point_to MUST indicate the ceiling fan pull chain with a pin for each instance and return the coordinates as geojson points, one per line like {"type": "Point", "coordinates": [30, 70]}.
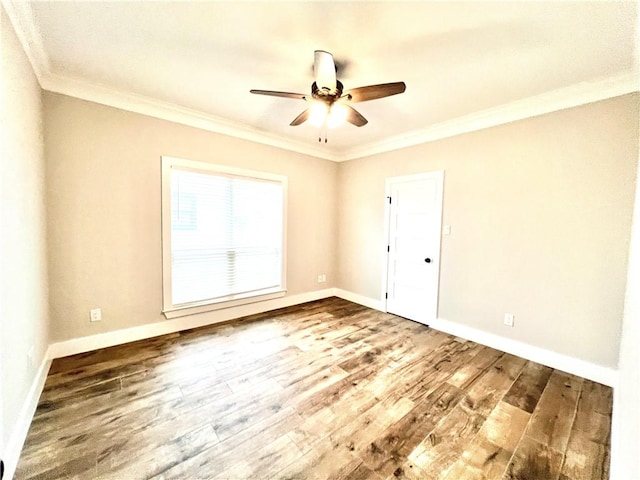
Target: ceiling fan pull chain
{"type": "Point", "coordinates": [323, 129]}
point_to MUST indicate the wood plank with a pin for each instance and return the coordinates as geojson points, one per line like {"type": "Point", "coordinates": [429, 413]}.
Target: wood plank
{"type": "Point", "coordinates": [528, 387]}
{"type": "Point", "coordinates": [553, 416]}
{"type": "Point", "coordinates": [532, 460]}
{"type": "Point", "coordinates": [240, 410]}
{"type": "Point", "coordinates": [355, 470]}
{"type": "Point", "coordinates": [163, 456]}
{"type": "Point", "coordinates": [587, 455]}
{"type": "Point", "coordinates": [233, 451]}
{"type": "Point", "coordinates": [82, 466]}
{"type": "Point", "coordinates": [400, 440]}
{"type": "Point", "coordinates": [275, 455]}
{"type": "Point", "coordinates": [364, 382]}
{"type": "Point", "coordinates": [112, 422]}
{"type": "Point", "coordinates": [467, 374]}
{"type": "Point", "coordinates": [408, 471]}
{"type": "Point", "coordinates": [389, 453]}
{"type": "Point", "coordinates": [76, 395]}
{"type": "Point", "coordinates": [318, 463]}
{"type": "Point", "coordinates": [372, 424]}
{"type": "Point", "coordinates": [355, 432]}
{"type": "Point", "coordinates": [586, 460]}
{"type": "Point", "coordinates": [129, 353]}
{"type": "Point", "coordinates": [489, 453]}
{"type": "Point", "coordinates": [484, 395]}
{"type": "Point", "coordinates": [446, 442]}
{"type": "Point", "coordinates": [84, 416]}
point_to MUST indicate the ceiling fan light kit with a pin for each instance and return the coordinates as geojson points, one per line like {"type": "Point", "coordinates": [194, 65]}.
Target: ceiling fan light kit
{"type": "Point", "coordinates": [328, 100]}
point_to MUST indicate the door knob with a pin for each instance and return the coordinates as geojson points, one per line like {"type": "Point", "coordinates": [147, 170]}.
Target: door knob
{"type": "Point", "coordinates": [428, 260]}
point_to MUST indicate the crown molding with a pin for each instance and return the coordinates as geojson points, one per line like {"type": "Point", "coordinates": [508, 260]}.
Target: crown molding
{"type": "Point", "coordinates": [174, 113]}
{"type": "Point", "coordinates": [548, 102]}
{"type": "Point", "coordinates": [21, 16]}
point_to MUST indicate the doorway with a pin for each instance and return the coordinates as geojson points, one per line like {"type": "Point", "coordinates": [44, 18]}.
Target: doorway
{"type": "Point", "coordinates": [414, 229]}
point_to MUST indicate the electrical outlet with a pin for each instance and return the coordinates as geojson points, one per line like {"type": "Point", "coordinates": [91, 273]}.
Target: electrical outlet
{"type": "Point", "coordinates": [95, 315]}
{"type": "Point", "coordinates": [322, 278]}
{"type": "Point", "coordinates": [508, 319]}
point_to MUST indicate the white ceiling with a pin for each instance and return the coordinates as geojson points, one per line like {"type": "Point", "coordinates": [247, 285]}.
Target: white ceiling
{"type": "Point", "coordinates": [466, 64]}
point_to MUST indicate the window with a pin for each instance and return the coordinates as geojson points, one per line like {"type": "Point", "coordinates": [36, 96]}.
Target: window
{"type": "Point", "coordinates": [223, 232]}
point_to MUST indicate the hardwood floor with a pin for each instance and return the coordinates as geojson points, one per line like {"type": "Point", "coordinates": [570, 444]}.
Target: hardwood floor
{"type": "Point", "coordinates": [324, 390]}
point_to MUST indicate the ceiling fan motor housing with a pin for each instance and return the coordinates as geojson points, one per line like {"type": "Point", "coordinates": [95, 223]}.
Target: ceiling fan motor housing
{"type": "Point", "coordinates": [325, 94]}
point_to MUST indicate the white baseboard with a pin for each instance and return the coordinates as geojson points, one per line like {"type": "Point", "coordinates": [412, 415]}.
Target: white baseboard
{"type": "Point", "coordinates": [118, 337]}
{"type": "Point", "coordinates": [591, 371]}
{"type": "Point", "coordinates": [617, 441]}
{"type": "Point", "coordinates": [361, 299]}
{"type": "Point", "coordinates": [597, 373]}
{"type": "Point", "coordinates": [19, 434]}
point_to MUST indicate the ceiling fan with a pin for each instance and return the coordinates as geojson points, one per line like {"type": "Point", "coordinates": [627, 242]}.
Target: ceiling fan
{"type": "Point", "coordinates": [329, 103]}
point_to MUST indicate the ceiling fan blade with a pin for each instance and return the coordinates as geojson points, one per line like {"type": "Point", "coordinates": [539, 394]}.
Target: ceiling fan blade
{"type": "Point", "coordinates": [298, 96]}
{"type": "Point", "coordinates": [354, 117]}
{"type": "Point", "coordinates": [324, 69]}
{"type": "Point", "coordinates": [303, 117]}
{"type": "Point", "coordinates": [372, 92]}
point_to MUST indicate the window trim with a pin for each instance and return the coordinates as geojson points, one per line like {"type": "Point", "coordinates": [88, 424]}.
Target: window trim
{"type": "Point", "coordinates": [173, 311]}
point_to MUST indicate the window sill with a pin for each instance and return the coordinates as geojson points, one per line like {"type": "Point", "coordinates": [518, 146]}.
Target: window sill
{"type": "Point", "coordinates": [193, 309]}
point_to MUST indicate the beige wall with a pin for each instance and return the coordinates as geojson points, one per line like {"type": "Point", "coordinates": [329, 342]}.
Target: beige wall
{"type": "Point", "coordinates": [103, 198]}
{"type": "Point", "coordinates": [23, 276]}
{"type": "Point", "coordinates": [540, 212]}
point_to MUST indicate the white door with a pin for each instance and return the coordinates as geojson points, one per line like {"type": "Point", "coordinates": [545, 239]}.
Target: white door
{"type": "Point", "coordinates": [413, 259]}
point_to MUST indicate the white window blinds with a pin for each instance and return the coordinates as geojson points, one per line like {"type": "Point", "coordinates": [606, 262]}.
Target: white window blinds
{"type": "Point", "coordinates": [226, 239]}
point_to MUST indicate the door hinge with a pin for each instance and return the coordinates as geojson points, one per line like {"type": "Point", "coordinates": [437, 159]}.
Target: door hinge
{"type": "Point", "coordinates": [386, 295]}
{"type": "Point", "coordinates": [389, 200]}
{"type": "Point", "coordinates": [388, 249]}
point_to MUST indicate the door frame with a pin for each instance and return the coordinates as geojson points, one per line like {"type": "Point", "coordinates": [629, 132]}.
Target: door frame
{"type": "Point", "coordinates": [389, 182]}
